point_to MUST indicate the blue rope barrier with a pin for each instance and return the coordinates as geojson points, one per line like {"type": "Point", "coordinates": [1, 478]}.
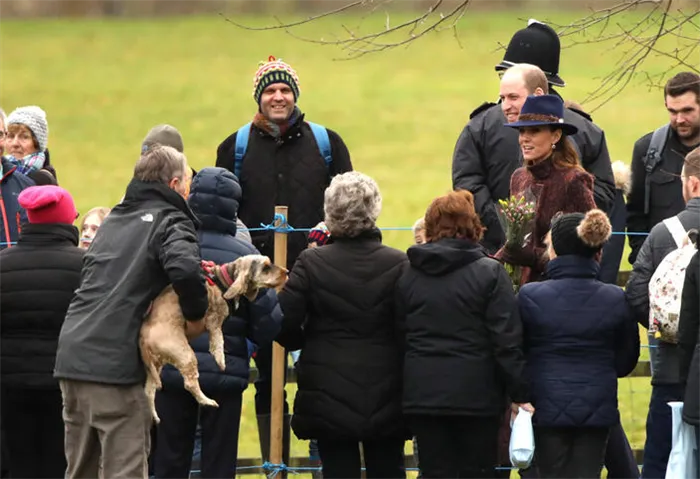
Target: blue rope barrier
{"type": "Point", "coordinates": [284, 227]}
{"type": "Point", "coordinates": [275, 469]}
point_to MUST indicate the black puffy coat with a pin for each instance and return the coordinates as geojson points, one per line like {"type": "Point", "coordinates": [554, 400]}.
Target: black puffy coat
{"type": "Point", "coordinates": [340, 309]}
{"type": "Point", "coordinates": [214, 198]}
{"type": "Point", "coordinates": [463, 333]}
{"type": "Point", "coordinates": [487, 153]}
{"type": "Point", "coordinates": [38, 278]}
{"type": "Point", "coordinates": [284, 171]}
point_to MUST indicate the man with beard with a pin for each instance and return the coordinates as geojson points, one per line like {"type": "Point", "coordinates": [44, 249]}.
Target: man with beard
{"type": "Point", "coordinates": [656, 191]}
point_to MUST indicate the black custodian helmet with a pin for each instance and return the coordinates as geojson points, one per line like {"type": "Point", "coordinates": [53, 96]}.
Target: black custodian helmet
{"type": "Point", "coordinates": [539, 45]}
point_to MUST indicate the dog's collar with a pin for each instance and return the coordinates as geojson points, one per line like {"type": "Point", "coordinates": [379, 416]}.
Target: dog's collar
{"type": "Point", "coordinates": [213, 279]}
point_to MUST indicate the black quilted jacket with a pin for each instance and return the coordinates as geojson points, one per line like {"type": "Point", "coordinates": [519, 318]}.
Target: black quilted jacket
{"type": "Point", "coordinates": [38, 278]}
{"type": "Point", "coordinates": [286, 171]}
{"type": "Point", "coordinates": [339, 307]}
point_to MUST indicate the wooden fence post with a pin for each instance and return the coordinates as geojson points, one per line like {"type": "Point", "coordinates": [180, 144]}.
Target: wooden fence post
{"type": "Point", "coordinates": [278, 353]}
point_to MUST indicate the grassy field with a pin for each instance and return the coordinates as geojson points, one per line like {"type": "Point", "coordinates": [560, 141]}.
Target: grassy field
{"type": "Point", "coordinates": [105, 83]}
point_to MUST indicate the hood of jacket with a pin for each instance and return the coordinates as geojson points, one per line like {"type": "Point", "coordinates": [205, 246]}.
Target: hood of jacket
{"type": "Point", "coordinates": [215, 196]}
{"type": "Point", "coordinates": [445, 255]}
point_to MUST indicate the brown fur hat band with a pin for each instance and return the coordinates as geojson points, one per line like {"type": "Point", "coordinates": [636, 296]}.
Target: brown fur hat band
{"type": "Point", "coordinates": [581, 234]}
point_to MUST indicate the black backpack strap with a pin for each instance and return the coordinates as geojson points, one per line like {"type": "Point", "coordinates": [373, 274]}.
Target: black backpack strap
{"type": "Point", "coordinates": [653, 158]}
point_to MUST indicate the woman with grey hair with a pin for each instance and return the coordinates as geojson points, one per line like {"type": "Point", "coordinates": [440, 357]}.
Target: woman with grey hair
{"type": "Point", "coordinates": [339, 309]}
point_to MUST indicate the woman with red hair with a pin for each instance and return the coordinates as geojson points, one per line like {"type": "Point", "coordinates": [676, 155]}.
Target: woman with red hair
{"type": "Point", "coordinates": [463, 358]}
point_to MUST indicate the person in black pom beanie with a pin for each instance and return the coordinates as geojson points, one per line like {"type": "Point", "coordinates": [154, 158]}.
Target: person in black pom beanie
{"type": "Point", "coordinates": [579, 337]}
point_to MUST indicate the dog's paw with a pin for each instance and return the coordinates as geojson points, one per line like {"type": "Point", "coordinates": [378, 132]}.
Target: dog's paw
{"type": "Point", "coordinates": [221, 364]}
{"type": "Point", "coordinates": [209, 402]}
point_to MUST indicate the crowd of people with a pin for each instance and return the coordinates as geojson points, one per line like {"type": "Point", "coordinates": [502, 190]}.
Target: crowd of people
{"type": "Point", "coordinates": [433, 344]}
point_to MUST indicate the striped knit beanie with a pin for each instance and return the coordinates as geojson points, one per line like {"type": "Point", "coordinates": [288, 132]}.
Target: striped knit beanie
{"type": "Point", "coordinates": [275, 71]}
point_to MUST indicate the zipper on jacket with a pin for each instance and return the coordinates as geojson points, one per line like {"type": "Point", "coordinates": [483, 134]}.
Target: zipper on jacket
{"type": "Point", "coordinates": [4, 220]}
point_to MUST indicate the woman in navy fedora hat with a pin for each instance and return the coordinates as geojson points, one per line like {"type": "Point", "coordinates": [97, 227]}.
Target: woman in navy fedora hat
{"type": "Point", "coordinates": [551, 177]}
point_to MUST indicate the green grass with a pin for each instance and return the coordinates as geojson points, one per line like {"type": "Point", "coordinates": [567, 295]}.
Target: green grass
{"type": "Point", "coordinates": [105, 83]}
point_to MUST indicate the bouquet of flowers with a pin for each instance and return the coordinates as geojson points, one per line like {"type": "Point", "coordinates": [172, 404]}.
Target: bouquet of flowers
{"type": "Point", "coordinates": [517, 215]}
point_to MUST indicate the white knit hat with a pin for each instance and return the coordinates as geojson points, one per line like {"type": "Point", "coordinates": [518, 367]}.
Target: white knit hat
{"type": "Point", "coordinates": [33, 118]}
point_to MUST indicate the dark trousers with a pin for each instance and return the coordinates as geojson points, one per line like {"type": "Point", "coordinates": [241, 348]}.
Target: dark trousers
{"type": "Point", "coordinates": [263, 384]}
{"type": "Point", "coordinates": [457, 446]}
{"type": "Point", "coordinates": [657, 447]}
{"type": "Point", "coordinates": [4, 459]}
{"type": "Point", "coordinates": [619, 458]}
{"type": "Point", "coordinates": [178, 412]}
{"type": "Point", "coordinates": [571, 452]}
{"type": "Point", "coordinates": [383, 458]}
{"type": "Point", "coordinates": [34, 432]}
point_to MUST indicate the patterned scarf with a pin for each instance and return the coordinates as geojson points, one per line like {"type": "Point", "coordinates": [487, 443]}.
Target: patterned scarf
{"type": "Point", "coordinates": [273, 129]}
{"type": "Point", "coordinates": [31, 162]}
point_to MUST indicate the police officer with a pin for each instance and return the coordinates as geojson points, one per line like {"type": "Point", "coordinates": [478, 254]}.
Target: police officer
{"type": "Point", "coordinates": [487, 153]}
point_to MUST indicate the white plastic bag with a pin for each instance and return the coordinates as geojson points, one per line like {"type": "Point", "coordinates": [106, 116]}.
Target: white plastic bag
{"type": "Point", "coordinates": [682, 462]}
{"type": "Point", "coordinates": [522, 440]}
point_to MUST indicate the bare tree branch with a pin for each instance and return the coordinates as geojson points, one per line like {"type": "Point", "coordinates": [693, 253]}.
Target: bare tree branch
{"type": "Point", "coordinates": [663, 33]}
{"type": "Point", "coordinates": [660, 34]}
{"type": "Point", "coordinates": [357, 44]}
{"type": "Point", "coordinates": [310, 19]}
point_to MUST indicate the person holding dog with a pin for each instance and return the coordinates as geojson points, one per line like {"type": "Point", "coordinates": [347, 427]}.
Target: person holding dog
{"type": "Point", "coordinates": [147, 242]}
{"type": "Point", "coordinates": [214, 198]}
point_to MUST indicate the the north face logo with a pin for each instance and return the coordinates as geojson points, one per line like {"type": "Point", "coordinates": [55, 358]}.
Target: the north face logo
{"type": "Point", "coordinates": [148, 217]}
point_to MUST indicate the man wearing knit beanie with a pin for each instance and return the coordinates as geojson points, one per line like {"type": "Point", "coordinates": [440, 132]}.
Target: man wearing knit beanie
{"type": "Point", "coordinates": [168, 135]}
{"type": "Point", "coordinates": [279, 159]}
{"type": "Point", "coordinates": [163, 135]}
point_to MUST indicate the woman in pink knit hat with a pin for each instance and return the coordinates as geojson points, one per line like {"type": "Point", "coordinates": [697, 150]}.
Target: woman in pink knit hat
{"type": "Point", "coordinates": [37, 279]}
